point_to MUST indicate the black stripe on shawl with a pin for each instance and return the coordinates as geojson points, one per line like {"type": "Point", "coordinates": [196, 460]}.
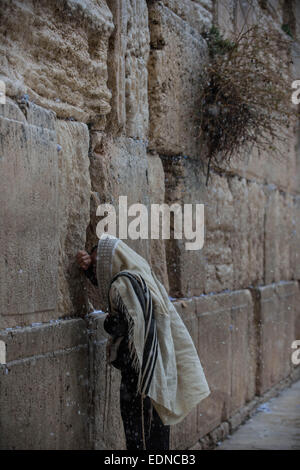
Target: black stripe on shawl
{"type": "Point", "coordinates": [150, 341]}
{"type": "Point", "coordinates": [150, 348]}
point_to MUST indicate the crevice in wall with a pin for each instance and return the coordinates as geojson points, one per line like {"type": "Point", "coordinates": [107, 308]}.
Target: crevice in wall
{"type": "Point", "coordinates": [171, 247]}
{"type": "Point", "coordinates": [256, 299]}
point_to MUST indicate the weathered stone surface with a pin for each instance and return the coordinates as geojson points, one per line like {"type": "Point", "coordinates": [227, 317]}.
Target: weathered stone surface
{"type": "Point", "coordinates": [64, 171]}
{"type": "Point", "coordinates": [248, 13]}
{"type": "Point", "coordinates": [56, 52]}
{"type": "Point", "coordinates": [106, 431]}
{"type": "Point", "coordinates": [219, 433]}
{"type": "Point", "coordinates": [224, 16]}
{"type": "Point", "coordinates": [196, 446]}
{"type": "Point", "coordinates": [294, 239]}
{"type": "Point", "coordinates": [278, 308]}
{"type": "Point", "coordinates": [264, 166]}
{"type": "Point", "coordinates": [243, 350]}
{"type": "Point", "coordinates": [280, 169]}
{"type": "Point", "coordinates": [185, 184]}
{"type": "Point", "coordinates": [42, 338]}
{"type": "Point", "coordinates": [234, 248]}
{"type": "Point", "coordinates": [12, 111]}
{"type": "Point", "coordinates": [296, 175]}
{"type": "Point", "coordinates": [235, 421]}
{"type": "Point", "coordinates": [176, 60]}
{"type": "Point", "coordinates": [297, 315]}
{"type": "Point", "coordinates": [74, 212]}
{"type": "Point", "coordinates": [29, 236]}
{"type": "Point", "coordinates": [197, 14]}
{"type": "Point", "coordinates": [232, 255]}
{"type": "Point", "coordinates": [156, 179]}
{"type": "Point", "coordinates": [297, 20]}
{"type": "Point", "coordinates": [119, 168]}
{"type": "Point", "coordinates": [234, 16]}
{"type": "Point", "coordinates": [226, 349]}
{"type": "Point", "coordinates": [206, 443]}
{"type": "Point", "coordinates": [247, 238]}
{"type": "Point", "coordinates": [44, 387]}
{"type": "Point", "coordinates": [218, 248]}
{"type": "Point", "coordinates": [185, 434]}
{"type": "Point", "coordinates": [127, 68]}
{"type": "Point", "coordinates": [281, 232]}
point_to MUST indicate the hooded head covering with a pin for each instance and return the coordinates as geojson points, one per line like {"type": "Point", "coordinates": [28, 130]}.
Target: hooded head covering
{"type": "Point", "coordinates": [178, 382]}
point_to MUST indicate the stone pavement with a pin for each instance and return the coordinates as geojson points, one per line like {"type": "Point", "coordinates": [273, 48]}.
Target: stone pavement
{"type": "Point", "coordinates": [275, 425]}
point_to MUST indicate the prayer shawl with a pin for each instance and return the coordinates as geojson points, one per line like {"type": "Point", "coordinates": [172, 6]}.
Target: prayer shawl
{"type": "Point", "coordinates": [162, 350]}
{"type": "Point", "coordinates": [150, 348]}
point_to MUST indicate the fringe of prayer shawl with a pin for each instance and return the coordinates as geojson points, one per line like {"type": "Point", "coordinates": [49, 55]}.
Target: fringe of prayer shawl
{"type": "Point", "coordinates": [150, 348]}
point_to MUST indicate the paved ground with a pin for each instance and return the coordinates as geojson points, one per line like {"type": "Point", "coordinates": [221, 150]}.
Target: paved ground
{"type": "Point", "coordinates": [275, 426]}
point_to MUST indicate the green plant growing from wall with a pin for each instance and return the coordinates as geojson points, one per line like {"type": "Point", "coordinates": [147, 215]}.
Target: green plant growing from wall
{"type": "Point", "coordinates": [246, 96]}
{"type": "Point", "coordinates": [286, 28]}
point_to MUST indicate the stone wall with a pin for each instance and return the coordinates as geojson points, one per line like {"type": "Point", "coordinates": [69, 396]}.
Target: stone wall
{"type": "Point", "coordinates": [101, 102]}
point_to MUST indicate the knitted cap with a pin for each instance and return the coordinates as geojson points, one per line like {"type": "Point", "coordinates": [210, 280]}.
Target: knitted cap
{"type": "Point", "coordinates": [105, 252]}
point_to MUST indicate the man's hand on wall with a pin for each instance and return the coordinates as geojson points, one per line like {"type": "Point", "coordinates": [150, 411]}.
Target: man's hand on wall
{"type": "Point", "coordinates": [84, 260]}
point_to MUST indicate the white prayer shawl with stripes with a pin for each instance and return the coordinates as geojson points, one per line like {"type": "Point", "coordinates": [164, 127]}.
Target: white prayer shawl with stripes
{"type": "Point", "coordinates": [145, 364]}
{"type": "Point", "coordinates": [170, 371]}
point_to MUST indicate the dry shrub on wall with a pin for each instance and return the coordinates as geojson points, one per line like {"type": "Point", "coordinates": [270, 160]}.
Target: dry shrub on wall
{"type": "Point", "coordinates": [246, 94]}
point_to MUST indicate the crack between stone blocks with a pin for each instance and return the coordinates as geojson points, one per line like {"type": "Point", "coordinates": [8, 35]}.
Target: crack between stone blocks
{"type": "Point", "coordinates": [256, 298]}
{"type": "Point", "coordinates": [48, 354]}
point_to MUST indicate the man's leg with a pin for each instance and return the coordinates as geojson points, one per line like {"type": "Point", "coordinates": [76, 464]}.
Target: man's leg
{"type": "Point", "coordinates": [156, 434]}
{"type": "Point", "coordinates": [159, 438]}
{"type": "Point", "coordinates": [131, 409]}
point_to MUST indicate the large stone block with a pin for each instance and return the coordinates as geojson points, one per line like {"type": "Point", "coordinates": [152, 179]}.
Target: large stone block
{"type": "Point", "coordinates": [56, 52]}
{"type": "Point", "coordinates": [224, 16]}
{"type": "Point", "coordinates": [296, 174]}
{"type": "Point", "coordinates": [106, 431]}
{"type": "Point", "coordinates": [280, 168]}
{"type": "Point", "coordinates": [227, 350]}
{"type": "Point", "coordinates": [232, 255]}
{"type": "Point", "coordinates": [198, 14]}
{"type": "Point", "coordinates": [234, 16]}
{"type": "Point", "coordinates": [156, 179]}
{"type": "Point", "coordinates": [74, 212]}
{"type": "Point", "coordinates": [119, 167]}
{"type": "Point", "coordinates": [281, 233]}
{"type": "Point", "coordinates": [29, 235]}
{"type": "Point", "coordinates": [185, 434]}
{"type": "Point", "coordinates": [176, 59]}
{"type": "Point", "coordinates": [297, 316]}
{"type": "Point", "coordinates": [295, 238]}
{"type": "Point", "coordinates": [185, 184]}
{"type": "Point", "coordinates": [44, 387]}
{"type": "Point", "coordinates": [234, 243]}
{"type": "Point", "coordinates": [278, 308]}
{"type": "Point", "coordinates": [277, 167]}
{"type": "Point", "coordinates": [218, 250]}
{"type": "Point", "coordinates": [247, 238]}
{"type": "Point", "coordinates": [127, 68]}
{"type": "Point", "coordinates": [297, 20]}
